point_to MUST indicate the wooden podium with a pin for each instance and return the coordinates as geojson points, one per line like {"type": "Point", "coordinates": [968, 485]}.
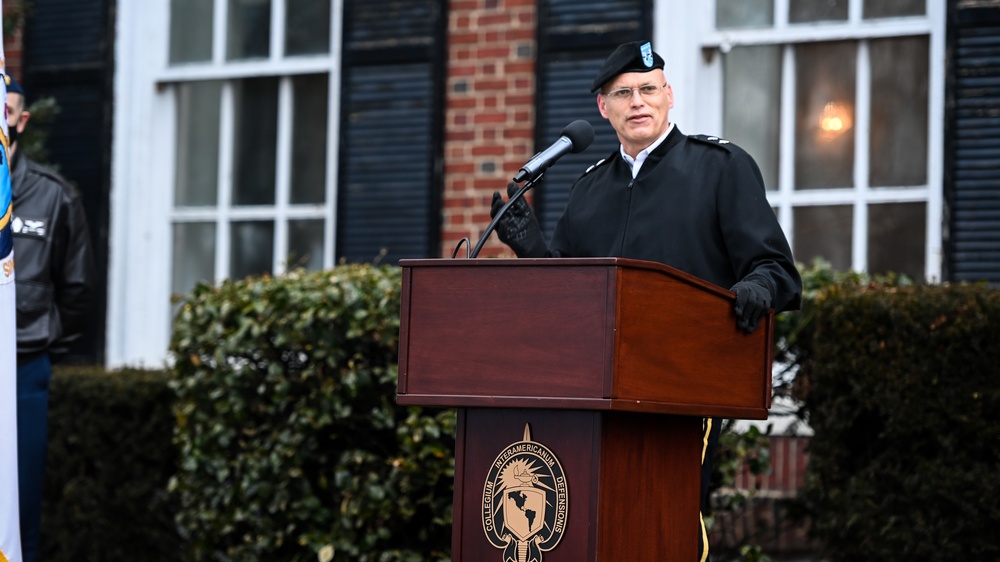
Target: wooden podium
{"type": "Point", "coordinates": [580, 386]}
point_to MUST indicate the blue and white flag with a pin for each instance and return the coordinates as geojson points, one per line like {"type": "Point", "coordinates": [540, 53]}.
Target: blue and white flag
{"type": "Point", "coordinates": [10, 534]}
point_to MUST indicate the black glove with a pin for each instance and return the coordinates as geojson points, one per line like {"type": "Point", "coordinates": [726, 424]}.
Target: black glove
{"type": "Point", "coordinates": [752, 302]}
{"type": "Point", "coordinates": [518, 228]}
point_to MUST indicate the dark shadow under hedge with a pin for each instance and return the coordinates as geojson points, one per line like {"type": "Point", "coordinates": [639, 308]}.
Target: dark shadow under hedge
{"type": "Point", "coordinates": [903, 392]}
{"type": "Point", "coordinates": [109, 461]}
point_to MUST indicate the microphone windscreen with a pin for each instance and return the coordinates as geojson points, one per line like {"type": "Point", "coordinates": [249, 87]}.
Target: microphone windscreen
{"type": "Point", "coordinates": [580, 133]}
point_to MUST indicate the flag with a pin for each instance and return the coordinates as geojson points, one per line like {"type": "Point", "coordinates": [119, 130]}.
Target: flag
{"type": "Point", "coordinates": [10, 533]}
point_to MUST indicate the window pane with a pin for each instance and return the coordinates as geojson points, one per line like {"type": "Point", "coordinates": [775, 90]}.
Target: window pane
{"type": "Point", "coordinates": [896, 238]}
{"type": "Point", "coordinates": [197, 143]}
{"type": "Point", "coordinates": [305, 244]}
{"type": "Point", "coordinates": [898, 152]}
{"type": "Point", "coordinates": [194, 255]}
{"type": "Point", "coordinates": [252, 251]}
{"type": "Point", "coordinates": [824, 110]}
{"type": "Point", "coordinates": [190, 31]}
{"type": "Point", "coordinates": [309, 125]}
{"type": "Point", "coordinates": [731, 14]}
{"type": "Point", "coordinates": [753, 80]}
{"type": "Point", "coordinates": [802, 11]}
{"type": "Point", "coordinates": [307, 27]}
{"type": "Point", "coordinates": [824, 232]}
{"type": "Point", "coordinates": [255, 138]}
{"type": "Point", "coordinates": [892, 8]}
{"type": "Point", "coordinates": [248, 34]}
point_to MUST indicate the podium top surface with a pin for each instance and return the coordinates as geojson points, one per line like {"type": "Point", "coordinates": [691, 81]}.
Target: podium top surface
{"type": "Point", "coordinates": [577, 333]}
{"type": "Point", "coordinates": [571, 262]}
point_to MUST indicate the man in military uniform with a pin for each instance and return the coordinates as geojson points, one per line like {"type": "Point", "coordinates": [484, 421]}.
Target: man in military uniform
{"type": "Point", "coordinates": [695, 203]}
{"type": "Point", "coordinates": [54, 286]}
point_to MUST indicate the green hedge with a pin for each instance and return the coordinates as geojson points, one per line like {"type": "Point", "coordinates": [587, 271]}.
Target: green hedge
{"type": "Point", "coordinates": [902, 388]}
{"type": "Point", "coordinates": [292, 446]}
{"type": "Point", "coordinates": [109, 462]}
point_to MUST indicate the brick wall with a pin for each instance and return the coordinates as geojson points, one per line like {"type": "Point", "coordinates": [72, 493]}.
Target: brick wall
{"type": "Point", "coordinates": [12, 44]}
{"type": "Point", "coordinates": [489, 112]}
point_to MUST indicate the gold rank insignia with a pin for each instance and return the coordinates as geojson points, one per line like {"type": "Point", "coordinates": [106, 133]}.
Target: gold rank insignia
{"type": "Point", "coordinates": [525, 501]}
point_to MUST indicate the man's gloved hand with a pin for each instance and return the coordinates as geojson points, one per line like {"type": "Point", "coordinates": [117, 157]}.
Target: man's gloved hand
{"type": "Point", "coordinates": [752, 302]}
{"type": "Point", "coordinates": [518, 228]}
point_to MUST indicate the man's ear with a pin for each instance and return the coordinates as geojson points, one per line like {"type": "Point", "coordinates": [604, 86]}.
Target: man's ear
{"type": "Point", "coordinates": [22, 121]}
{"type": "Point", "coordinates": [601, 105]}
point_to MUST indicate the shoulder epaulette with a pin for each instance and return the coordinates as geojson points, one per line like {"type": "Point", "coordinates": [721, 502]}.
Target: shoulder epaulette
{"type": "Point", "coordinates": [595, 165]}
{"type": "Point", "coordinates": [714, 141]}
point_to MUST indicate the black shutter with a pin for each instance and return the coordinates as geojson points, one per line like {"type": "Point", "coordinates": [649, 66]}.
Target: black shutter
{"type": "Point", "coordinates": [574, 38]}
{"type": "Point", "coordinates": [972, 155]}
{"type": "Point", "coordinates": [392, 111]}
{"type": "Point", "coordinates": [68, 55]}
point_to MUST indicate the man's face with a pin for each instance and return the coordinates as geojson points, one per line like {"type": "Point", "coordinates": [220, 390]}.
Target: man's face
{"type": "Point", "coordinates": [17, 117]}
{"type": "Point", "coordinates": [639, 119]}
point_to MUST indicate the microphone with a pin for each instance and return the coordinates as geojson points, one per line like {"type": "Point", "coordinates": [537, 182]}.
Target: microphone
{"type": "Point", "coordinates": [576, 137]}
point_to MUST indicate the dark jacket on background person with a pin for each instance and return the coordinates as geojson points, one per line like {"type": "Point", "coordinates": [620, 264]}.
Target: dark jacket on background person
{"type": "Point", "coordinates": [54, 262]}
{"type": "Point", "coordinates": [698, 204]}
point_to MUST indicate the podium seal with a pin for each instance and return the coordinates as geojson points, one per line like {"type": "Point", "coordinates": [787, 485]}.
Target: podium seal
{"type": "Point", "coordinates": [525, 501]}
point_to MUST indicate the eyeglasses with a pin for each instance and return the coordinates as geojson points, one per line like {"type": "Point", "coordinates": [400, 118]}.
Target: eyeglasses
{"type": "Point", "coordinates": [647, 91]}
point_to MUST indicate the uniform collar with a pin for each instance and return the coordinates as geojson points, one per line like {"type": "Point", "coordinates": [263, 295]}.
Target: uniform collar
{"type": "Point", "coordinates": [644, 153]}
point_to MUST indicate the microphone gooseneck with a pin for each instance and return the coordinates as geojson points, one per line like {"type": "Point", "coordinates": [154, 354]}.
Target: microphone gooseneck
{"type": "Point", "coordinates": [576, 137]}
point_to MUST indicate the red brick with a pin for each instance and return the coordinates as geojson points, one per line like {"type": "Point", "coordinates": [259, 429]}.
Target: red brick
{"type": "Point", "coordinates": [523, 98]}
{"type": "Point", "coordinates": [489, 117]}
{"type": "Point", "coordinates": [493, 19]}
{"type": "Point", "coordinates": [455, 136]}
{"type": "Point", "coordinates": [456, 70]}
{"type": "Point", "coordinates": [484, 53]}
{"type": "Point", "coordinates": [490, 85]}
{"type": "Point", "coordinates": [460, 5]}
{"type": "Point", "coordinates": [459, 167]}
{"type": "Point", "coordinates": [527, 67]}
{"type": "Point", "coordinates": [467, 38]}
{"type": "Point", "coordinates": [488, 150]}
{"type": "Point", "coordinates": [519, 133]}
{"type": "Point", "coordinates": [519, 34]}
{"type": "Point", "coordinates": [458, 202]}
{"type": "Point", "coordinates": [463, 102]}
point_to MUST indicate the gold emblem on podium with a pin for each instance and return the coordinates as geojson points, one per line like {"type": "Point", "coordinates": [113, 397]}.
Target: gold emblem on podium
{"type": "Point", "coordinates": [525, 501]}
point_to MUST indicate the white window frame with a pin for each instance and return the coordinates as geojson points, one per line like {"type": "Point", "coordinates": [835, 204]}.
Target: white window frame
{"type": "Point", "coordinates": [691, 51]}
{"type": "Point", "coordinates": [143, 167]}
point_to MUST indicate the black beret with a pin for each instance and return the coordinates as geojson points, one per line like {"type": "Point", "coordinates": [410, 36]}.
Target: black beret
{"type": "Point", "coordinates": [12, 86]}
{"type": "Point", "coordinates": [628, 57]}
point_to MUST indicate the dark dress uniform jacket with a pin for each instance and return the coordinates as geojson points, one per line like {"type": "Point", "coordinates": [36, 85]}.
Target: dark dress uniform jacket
{"type": "Point", "coordinates": [698, 204]}
{"type": "Point", "coordinates": [53, 259]}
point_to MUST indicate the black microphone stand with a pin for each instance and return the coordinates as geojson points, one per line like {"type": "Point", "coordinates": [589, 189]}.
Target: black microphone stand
{"type": "Point", "coordinates": [493, 224]}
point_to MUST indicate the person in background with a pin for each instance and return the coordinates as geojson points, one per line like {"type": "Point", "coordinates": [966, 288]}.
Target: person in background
{"type": "Point", "coordinates": [53, 287]}
{"type": "Point", "coordinates": [696, 203]}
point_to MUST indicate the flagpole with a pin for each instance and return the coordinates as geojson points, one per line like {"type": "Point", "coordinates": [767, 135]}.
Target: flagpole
{"type": "Point", "coordinates": [10, 534]}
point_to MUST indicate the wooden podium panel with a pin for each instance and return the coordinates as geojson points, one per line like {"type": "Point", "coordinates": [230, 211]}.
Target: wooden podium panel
{"type": "Point", "coordinates": [631, 492]}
